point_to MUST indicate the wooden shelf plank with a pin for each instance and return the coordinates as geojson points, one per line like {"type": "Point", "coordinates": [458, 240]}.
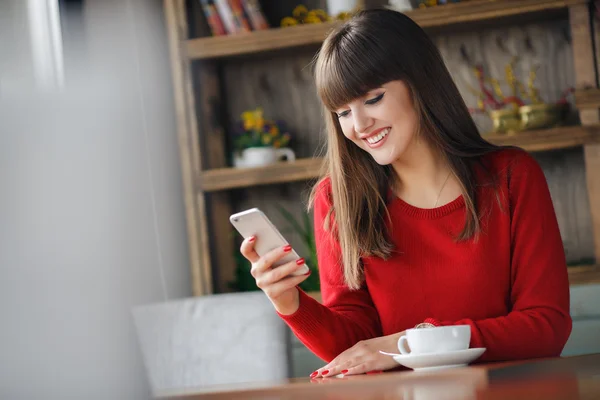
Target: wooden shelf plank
{"type": "Point", "coordinates": [587, 98]}
{"type": "Point", "coordinates": [584, 274]}
{"type": "Point", "coordinates": [257, 41]}
{"type": "Point", "coordinates": [550, 139]}
{"type": "Point", "coordinates": [229, 178]}
{"type": "Point", "coordinates": [484, 10]}
{"type": "Point", "coordinates": [314, 34]}
{"type": "Point", "coordinates": [309, 168]}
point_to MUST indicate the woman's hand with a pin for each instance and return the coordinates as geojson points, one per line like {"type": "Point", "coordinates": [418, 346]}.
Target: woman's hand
{"type": "Point", "coordinates": [277, 283]}
{"type": "Point", "coordinates": [363, 357]}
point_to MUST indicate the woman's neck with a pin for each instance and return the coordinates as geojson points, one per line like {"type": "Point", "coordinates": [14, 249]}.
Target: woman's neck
{"type": "Point", "coordinates": [424, 178]}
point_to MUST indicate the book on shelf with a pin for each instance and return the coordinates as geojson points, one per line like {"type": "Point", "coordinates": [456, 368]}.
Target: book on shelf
{"type": "Point", "coordinates": [227, 17]}
{"type": "Point", "coordinates": [215, 23]}
{"type": "Point", "coordinates": [255, 15]}
{"type": "Point", "coordinates": [241, 20]}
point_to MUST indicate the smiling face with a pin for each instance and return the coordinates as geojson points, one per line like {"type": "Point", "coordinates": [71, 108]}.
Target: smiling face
{"type": "Point", "coordinates": [383, 122]}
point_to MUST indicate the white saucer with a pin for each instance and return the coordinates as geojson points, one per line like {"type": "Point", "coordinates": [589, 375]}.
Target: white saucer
{"type": "Point", "coordinates": [436, 361]}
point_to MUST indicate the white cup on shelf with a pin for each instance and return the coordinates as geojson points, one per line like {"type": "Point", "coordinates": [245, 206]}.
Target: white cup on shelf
{"type": "Point", "coordinates": [261, 156]}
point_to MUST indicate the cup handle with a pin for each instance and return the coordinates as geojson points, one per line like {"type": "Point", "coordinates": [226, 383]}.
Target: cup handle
{"type": "Point", "coordinates": [287, 153]}
{"type": "Point", "coordinates": [402, 345]}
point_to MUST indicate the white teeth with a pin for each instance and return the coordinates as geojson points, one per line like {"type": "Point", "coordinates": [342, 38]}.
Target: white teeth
{"type": "Point", "coordinates": [379, 136]}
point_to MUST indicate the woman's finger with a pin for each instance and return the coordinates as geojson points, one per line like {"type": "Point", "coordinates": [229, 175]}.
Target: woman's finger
{"type": "Point", "coordinates": [265, 262]}
{"type": "Point", "coordinates": [358, 369]}
{"type": "Point", "coordinates": [340, 367]}
{"type": "Point", "coordinates": [276, 274]}
{"type": "Point", "coordinates": [247, 249]}
{"type": "Point", "coordinates": [275, 290]}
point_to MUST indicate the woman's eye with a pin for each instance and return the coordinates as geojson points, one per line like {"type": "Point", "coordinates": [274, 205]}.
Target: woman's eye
{"type": "Point", "coordinates": [375, 99]}
{"type": "Point", "coordinates": [343, 114]}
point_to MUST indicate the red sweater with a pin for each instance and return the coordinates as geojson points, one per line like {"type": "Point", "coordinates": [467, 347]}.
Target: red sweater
{"type": "Point", "coordinates": [511, 285]}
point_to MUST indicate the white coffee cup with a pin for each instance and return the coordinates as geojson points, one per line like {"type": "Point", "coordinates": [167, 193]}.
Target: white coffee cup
{"type": "Point", "coordinates": [435, 340]}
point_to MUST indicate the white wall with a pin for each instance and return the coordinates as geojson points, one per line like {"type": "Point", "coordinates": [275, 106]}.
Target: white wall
{"type": "Point", "coordinates": [91, 212]}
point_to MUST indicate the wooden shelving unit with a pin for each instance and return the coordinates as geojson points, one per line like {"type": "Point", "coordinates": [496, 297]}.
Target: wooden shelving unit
{"type": "Point", "coordinates": [207, 178]}
{"type": "Point", "coordinates": [313, 34]}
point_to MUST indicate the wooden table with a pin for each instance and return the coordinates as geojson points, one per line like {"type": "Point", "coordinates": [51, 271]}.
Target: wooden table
{"type": "Point", "coordinates": [557, 378]}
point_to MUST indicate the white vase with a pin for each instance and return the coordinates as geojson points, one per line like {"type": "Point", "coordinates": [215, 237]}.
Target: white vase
{"type": "Point", "coordinates": [334, 7]}
{"type": "Point", "coordinates": [400, 5]}
{"type": "Point", "coordinates": [260, 156]}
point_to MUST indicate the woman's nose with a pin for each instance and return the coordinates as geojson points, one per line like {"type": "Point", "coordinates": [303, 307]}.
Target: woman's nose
{"type": "Point", "coordinates": [362, 123]}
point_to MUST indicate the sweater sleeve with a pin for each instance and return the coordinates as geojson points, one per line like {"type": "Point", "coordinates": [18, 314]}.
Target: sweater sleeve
{"type": "Point", "coordinates": [539, 323]}
{"type": "Point", "coordinates": [346, 316]}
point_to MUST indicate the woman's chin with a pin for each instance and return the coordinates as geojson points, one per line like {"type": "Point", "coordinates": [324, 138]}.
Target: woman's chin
{"type": "Point", "coordinates": [384, 159]}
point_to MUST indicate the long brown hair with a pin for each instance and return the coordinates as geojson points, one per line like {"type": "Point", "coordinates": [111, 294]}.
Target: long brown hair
{"type": "Point", "coordinates": [371, 49]}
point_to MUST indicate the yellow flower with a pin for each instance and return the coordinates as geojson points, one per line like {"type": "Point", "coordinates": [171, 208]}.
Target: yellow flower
{"type": "Point", "coordinates": [249, 118]}
{"type": "Point", "coordinates": [259, 123]}
{"type": "Point", "coordinates": [266, 139]}
{"type": "Point", "coordinates": [300, 11]}
{"type": "Point", "coordinates": [248, 124]}
{"type": "Point", "coordinates": [274, 130]}
{"type": "Point", "coordinates": [322, 15]}
{"type": "Point", "coordinates": [289, 21]}
{"type": "Point", "coordinates": [276, 144]}
{"type": "Point", "coordinates": [247, 115]}
{"type": "Point", "coordinates": [312, 19]}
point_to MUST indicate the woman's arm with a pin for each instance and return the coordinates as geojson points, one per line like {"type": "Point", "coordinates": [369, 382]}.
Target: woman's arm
{"type": "Point", "coordinates": [539, 323]}
{"type": "Point", "coordinates": [346, 316]}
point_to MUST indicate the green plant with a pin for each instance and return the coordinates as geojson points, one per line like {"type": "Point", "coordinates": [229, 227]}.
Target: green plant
{"type": "Point", "coordinates": [243, 281]}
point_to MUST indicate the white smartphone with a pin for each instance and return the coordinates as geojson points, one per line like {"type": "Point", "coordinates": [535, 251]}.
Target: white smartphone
{"type": "Point", "coordinates": [255, 222]}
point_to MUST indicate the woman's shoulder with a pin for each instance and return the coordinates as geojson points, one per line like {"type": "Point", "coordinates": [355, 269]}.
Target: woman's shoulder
{"type": "Point", "coordinates": [322, 189]}
{"type": "Point", "coordinates": [321, 199]}
{"type": "Point", "coordinates": [507, 162]}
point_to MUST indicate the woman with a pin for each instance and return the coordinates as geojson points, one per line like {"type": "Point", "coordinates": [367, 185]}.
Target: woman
{"type": "Point", "coordinates": [418, 219]}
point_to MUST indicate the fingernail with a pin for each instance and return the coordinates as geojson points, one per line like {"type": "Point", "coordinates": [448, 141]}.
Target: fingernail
{"type": "Point", "coordinates": [252, 239]}
{"type": "Point", "coordinates": [344, 371]}
{"type": "Point", "coordinates": [287, 248]}
{"type": "Point", "coordinates": [308, 273]}
{"type": "Point", "coordinates": [325, 372]}
{"type": "Point", "coordinates": [314, 374]}
{"type": "Point", "coordinates": [300, 261]}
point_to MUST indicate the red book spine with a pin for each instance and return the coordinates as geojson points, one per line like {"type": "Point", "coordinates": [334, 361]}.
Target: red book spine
{"type": "Point", "coordinates": [226, 15]}
{"type": "Point", "coordinates": [212, 17]}
{"type": "Point", "coordinates": [238, 16]}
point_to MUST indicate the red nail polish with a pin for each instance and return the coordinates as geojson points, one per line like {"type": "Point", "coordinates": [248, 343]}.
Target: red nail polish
{"type": "Point", "coordinates": [314, 374]}
{"type": "Point", "coordinates": [300, 261]}
{"type": "Point", "coordinates": [252, 239]}
{"type": "Point", "coordinates": [308, 273]}
{"type": "Point", "coordinates": [325, 372]}
{"type": "Point", "coordinates": [375, 372]}
{"type": "Point", "coordinates": [287, 248]}
{"type": "Point", "coordinates": [345, 371]}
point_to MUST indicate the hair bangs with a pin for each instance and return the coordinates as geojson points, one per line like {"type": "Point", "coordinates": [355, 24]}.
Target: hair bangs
{"type": "Point", "coordinates": [348, 67]}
